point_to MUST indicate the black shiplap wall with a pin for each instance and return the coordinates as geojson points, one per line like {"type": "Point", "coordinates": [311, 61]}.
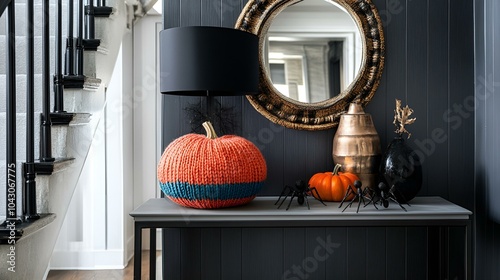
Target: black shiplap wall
{"type": "Point", "coordinates": [487, 209]}
{"type": "Point", "coordinates": [430, 66]}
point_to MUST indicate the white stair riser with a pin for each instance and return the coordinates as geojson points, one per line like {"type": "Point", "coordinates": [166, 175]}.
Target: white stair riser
{"type": "Point", "coordinates": [103, 31]}
{"type": "Point", "coordinates": [42, 189]}
{"type": "Point", "coordinates": [58, 138]}
{"type": "Point", "coordinates": [88, 65]}
{"type": "Point", "coordinates": [19, 181]}
{"type": "Point", "coordinates": [81, 100]}
{"type": "Point", "coordinates": [21, 19]}
{"type": "Point", "coordinates": [20, 137]}
{"type": "Point", "coordinates": [75, 100]}
{"type": "Point", "coordinates": [21, 54]}
{"type": "Point", "coordinates": [21, 93]}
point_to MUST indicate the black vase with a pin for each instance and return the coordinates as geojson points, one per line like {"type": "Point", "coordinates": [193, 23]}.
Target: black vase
{"type": "Point", "coordinates": [401, 168]}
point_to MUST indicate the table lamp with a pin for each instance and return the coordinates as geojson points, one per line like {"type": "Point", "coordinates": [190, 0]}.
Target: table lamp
{"type": "Point", "coordinates": [210, 171]}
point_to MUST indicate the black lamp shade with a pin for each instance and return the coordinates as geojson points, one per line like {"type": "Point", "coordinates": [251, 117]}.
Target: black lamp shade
{"type": "Point", "coordinates": [204, 60]}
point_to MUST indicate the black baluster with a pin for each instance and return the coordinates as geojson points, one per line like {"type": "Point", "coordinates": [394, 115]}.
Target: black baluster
{"type": "Point", "coordinates": [91, 12]}
{"type": "Point", "coordinates": [100, 10]}
{"type": "Point", "coordinates": [58, 78]}
{"type": "Point", "coordinates": [11, 170]}
{"type": "Point", "coordinates": [29, 202]}
{"type": "Point", "coordinates": [71, 79]}
{"type": "Point", "coordinates": [46, 123]}
{"type": "Point", "coordinates": [79, 40]}
{"type": "Point", "coordinates": [69, 67]}
{"type": "Point", "coordinates": [90, 42]}
{"type": "Point", "coordinates": [90, 31]}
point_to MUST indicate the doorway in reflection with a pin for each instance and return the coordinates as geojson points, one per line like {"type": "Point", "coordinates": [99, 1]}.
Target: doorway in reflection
{"type": "Point", "coordinates": [335, 63]}
{"type": "Point", "coordinates": [307, 70]}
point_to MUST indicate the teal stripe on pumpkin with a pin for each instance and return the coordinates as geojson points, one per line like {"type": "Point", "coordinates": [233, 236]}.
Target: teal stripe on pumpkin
{"type": "Point", "coordinates": [222, 192]}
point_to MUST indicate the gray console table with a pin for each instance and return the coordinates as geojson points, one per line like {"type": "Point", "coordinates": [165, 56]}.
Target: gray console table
{"type": "Point", "coordinates": [261, 212]}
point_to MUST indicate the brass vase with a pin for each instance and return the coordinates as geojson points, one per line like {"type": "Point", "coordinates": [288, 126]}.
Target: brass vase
{"type": "Point", "coordinates": [356, 145]}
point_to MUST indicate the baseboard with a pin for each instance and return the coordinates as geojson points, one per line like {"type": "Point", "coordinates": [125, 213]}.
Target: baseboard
{"type": "Point", "coordinates": [88, 260]}
{"type": "Point", "coordinates": [46, 274]}
{"type": "Point", "coordinates": [92, 260]}
{"type": "Point", "coordinates": [129, 246]}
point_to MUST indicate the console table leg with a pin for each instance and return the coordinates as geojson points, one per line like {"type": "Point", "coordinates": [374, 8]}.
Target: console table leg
{"type": "Point", "coordinates": [445, 252]}
{"type": "Point", "coordinates": [137, 251]}
{"type": "Point", "coordinates": [152, 253]}
{"type": "Point", "coordinates": [163, 253]}
{"type": "Point", "coordinates": [468, 250]}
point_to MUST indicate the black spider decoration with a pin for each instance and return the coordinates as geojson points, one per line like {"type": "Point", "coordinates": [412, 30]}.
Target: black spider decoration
{"type": "Point", "coordinates": [359, 195]}
{"type": "Point", "coordinates": [300, 190]}
{"type": "Point", "coordinates": [383, 195]}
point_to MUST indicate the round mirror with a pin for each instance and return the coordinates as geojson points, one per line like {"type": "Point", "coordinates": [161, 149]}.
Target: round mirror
{"type": "Point", "coordinates": [316, 57]}
{"type": "Point", "coordinates": [312, 51]}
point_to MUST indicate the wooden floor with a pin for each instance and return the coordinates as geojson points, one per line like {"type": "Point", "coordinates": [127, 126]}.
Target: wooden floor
{"type": "Point", "coordinates": [117, 274]}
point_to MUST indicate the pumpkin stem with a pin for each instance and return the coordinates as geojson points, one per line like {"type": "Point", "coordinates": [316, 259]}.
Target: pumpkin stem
{"type": "Point", "coordinates": [336, 169]}
{"type": "Point", "coordinates": [210, 130]}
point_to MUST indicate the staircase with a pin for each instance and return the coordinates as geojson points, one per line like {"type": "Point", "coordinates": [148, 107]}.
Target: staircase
{"type": "Point", "coordinates": [71, 143]}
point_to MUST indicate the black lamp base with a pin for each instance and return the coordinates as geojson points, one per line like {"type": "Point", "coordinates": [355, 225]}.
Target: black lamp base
{"type": "Point", "coordinates": [209, 108]}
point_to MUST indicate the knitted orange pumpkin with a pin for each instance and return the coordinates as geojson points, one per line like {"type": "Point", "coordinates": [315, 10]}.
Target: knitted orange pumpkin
{"type": "Point", "coordinates": [211, 172]}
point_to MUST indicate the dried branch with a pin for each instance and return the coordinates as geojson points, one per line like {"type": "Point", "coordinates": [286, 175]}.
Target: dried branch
{"type": "Point", "coordinates": [402, 118]}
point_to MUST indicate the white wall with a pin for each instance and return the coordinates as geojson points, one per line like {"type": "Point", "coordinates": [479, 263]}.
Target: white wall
{"type": "Point", "coordinates": [128, 147]}
{"type": "Point", "coordinates": [147, 121]}
{"type": "Point", "coordinates": [97, 231]}
{"type": "Point", "coordinates": [121, 174]}
{"type": "Point", "coordinates": [119, 154]}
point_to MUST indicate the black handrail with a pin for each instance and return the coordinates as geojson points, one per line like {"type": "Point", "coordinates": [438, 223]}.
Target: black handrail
{"type": "Point", "coordinates": [58, 77]}
{"type": "Point", "coordinates": [46, 123]}
{"type": "Point", "coordinates": [11, 170]}
{"type": "Point", "coordinates": [29, 197]}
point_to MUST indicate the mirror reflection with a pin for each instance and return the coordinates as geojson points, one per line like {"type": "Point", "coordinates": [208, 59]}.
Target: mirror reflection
{"type": "Point", "coordinates": [313, 50]}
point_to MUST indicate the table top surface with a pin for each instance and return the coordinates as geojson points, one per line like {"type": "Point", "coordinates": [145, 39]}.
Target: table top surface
{"type": "Point", "coordinates": [264, 209]}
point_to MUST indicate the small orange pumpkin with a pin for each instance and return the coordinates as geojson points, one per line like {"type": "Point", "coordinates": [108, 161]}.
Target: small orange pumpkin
{"type": "Point", "coordinates": [332, 186]}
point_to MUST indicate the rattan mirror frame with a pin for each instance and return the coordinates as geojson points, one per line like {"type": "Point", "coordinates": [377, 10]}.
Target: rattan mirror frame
{"type": "Point", "coordinates": [257, 16]}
